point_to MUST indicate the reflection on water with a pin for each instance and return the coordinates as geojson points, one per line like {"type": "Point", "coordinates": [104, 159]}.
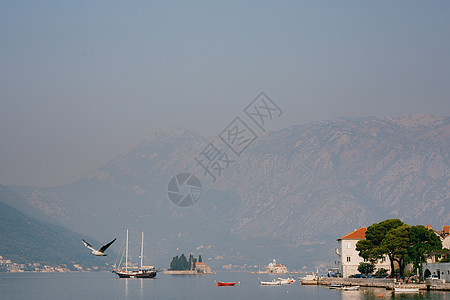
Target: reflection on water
{"type": "Point", "coordinates": [380, 293]}
{"type": "Point", "coordinates": [126, 287]}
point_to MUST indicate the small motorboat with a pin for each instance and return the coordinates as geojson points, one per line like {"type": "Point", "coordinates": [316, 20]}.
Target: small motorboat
{"type": "Point", "coordinates": [406, 290]}
{"type": "Point", "coordinates": [273, 282]}
{"type": "Point", "coordinates": [350, 288]}
{"type": "Point", "coordinates": [286, 281]}
{"type": "Point", "coordinates": [336, 286]}
{"type": "Point", "coordinates": [221, 283]}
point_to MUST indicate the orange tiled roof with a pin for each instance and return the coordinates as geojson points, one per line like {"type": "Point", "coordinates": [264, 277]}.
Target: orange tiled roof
{"type": "Point", "coordinates": [200, 263]}
{"type": "Point", "coordinates": [358, 234]}
{"type": "Point", "coordinates": [446, 230]}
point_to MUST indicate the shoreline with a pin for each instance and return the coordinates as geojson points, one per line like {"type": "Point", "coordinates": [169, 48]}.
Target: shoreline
{"type": "Point", "coordinates": [388, 284]}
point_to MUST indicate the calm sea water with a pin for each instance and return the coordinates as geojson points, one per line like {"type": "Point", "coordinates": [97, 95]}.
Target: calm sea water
{"type": "Point", "coordinates": [108, 286]}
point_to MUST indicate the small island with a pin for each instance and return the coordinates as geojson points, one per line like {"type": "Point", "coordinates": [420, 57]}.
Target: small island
{"type": "Point", "coordinates": [180, 265]}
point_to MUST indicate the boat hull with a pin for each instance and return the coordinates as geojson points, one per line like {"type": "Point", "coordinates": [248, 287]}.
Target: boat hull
{"type": "Point", "coordinates": [270, 283]}
{"type": "Point", "coordinates": [350, 288]}
{"type": "Point", "coordinates": [144, 274]}
{"type": "Point", "coordinates": [405, 290]}
{"type": "Point", "coordinates": [225, 283]}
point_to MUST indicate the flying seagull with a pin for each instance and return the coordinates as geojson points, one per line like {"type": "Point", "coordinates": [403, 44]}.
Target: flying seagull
{"type": "Point", "coordinates": [100, 251]}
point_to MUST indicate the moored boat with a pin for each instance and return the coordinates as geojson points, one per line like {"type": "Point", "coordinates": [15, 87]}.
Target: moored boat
{"type": "Point", "coordinates": [406, 290]}
{"type": "Point", "coordinates": [286, 281]}
{"type": "Point", "coordinates": [350, 288]}
{"type": "Point", "coordinates": [141, 272]}
{"type": "Point", "coordinates": [220, 283]}
{"type": "Point", "coordinates": [336, 286]}
{"type": "Point", "coordinates": [309, 279]}
{"type": "Point", "coordinates": [273, 282]}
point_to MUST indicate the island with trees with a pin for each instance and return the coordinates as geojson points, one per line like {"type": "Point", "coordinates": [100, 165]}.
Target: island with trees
{"type": "Point", "coordinates": [180, 265]}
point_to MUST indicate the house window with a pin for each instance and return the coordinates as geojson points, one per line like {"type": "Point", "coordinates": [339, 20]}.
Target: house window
{"type": "Point", "coordinates": [348, 258]}
{"type": "Point", "coordinates": [348, 245]}
{"type": "Point", "coordinates": [383, 259]}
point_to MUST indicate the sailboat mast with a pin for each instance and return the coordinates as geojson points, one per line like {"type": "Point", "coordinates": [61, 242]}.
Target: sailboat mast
{"type": "Point", "coordinates": [126, 255]}
{"type": "Point", "coordinates": [142, 249]}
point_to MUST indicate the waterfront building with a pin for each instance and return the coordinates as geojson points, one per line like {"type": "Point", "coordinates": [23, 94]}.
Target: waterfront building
{"type": "Point", "coordinates": [202, 268]}
{"type": "Point", "coordinates": [349, 258]}
{"type": "Point", "coordinates": [441, 270]}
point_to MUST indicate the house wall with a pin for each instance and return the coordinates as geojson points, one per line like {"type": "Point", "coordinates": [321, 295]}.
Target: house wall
{"type": "Point", "coordinates": [446, 242]}
{"type": "Point", "coordinates": [349, 258]}
{"type": "Point", "coordinates": [440, 269]}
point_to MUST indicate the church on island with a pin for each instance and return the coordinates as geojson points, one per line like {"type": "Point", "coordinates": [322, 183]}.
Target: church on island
{"type": "Point", "coordinates": [273, 267]}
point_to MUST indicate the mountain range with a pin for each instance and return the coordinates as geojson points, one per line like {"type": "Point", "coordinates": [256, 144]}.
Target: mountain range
{"type": "Point", "coordinates": [289, 195]}
{"type": "Point", "coordinates": [24, 239]}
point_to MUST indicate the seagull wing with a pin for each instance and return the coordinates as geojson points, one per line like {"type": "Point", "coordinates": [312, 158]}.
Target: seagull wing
{"type": "Point", "coordinates": [89, 245]}
{"type": "Point", "coordinates": [104, 247]}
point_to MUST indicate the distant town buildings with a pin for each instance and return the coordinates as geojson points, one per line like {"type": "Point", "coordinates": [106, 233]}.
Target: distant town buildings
{"type": "Point", "coordinates": [349, 258]}
{"type": "Point", "coordinates": [7, 265]}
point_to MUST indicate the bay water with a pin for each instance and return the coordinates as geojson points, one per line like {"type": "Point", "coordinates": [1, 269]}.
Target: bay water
{"type": "Point", "coordinates": [104, 285]}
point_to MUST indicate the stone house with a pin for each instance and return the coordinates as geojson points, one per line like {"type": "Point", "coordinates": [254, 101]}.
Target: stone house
{"type": "Point", "coordinates": [349, 258]}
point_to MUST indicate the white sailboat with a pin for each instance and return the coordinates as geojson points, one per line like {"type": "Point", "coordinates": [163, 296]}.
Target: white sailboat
{"type": "Point", "coordinates": [141, 272]}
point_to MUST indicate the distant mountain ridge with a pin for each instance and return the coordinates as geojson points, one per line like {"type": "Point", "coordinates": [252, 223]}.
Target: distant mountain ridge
{"type": "Point", "coordinates": [289, 195]}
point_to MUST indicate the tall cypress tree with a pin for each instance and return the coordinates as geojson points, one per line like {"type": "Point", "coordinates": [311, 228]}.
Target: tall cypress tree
{"type": "Point", "coordinates": [191, 262]}
{"type": "Point", "coordinates": [173, 264]}
{"type": "Point", "coordinates": [184, 265]}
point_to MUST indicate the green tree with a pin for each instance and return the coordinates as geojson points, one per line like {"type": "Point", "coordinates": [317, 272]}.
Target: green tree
{"type": "Point", "coordinates": [423, 241]}
{"type": "Point", "coordinates": [200, 258]}
{"type": "Point", "coordinates": [183, 263]}
{"type": "Point", "coordinates": [173, 264]}
{"type": "Point", "coordinates": [371, 248]}
{"type": "Point", "coordinates": [445, 254]}
{"type": "Point", "coordinates": [192, 262]}
{"type": "Point", "coordinates": [395, 244]}
{"type": "Point", "coordinates": [400, 242]}
{"type": "Point", "coordinates": [366, 268]}
{"type": "Point", "coordinates": [381, 273]}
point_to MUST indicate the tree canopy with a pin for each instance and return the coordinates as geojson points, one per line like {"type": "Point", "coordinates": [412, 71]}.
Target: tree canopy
{"type": "Point", "coordinates": [371, 248]}
{"type": "Point", "coordinates": [423, 241]}
{"type": "Point", "coordinates": [181, 263]}
{"type": "Point", "coordinates": [366, 268]}
{"type": "Point", "coordinates": [400, 242]}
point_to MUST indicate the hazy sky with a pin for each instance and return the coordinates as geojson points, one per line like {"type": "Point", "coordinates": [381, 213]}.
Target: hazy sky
{"type": "Point", "coordinates": [80, 81]}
